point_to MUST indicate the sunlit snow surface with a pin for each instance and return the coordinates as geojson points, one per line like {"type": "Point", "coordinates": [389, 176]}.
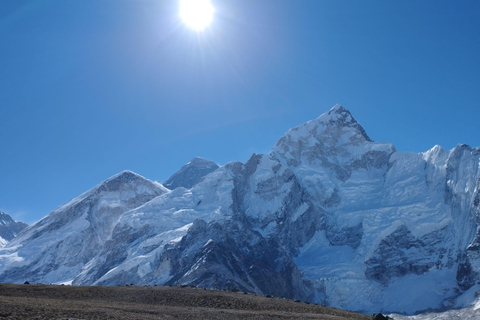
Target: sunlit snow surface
{"type": "Point", "coordinates": [358, 225]}
{"type": "Point", "coordinates": [408, 193]}
{"type": "Point", "coordinates": [166, 219]}
{"type": "Point", "coordinates": [58, 247]}
{"type": "Point", "coordinates": [2, 242]}
{"type": "Point", "coordinates": [460, 314]}
{"type": "Point", "coordinates": [464, 310]}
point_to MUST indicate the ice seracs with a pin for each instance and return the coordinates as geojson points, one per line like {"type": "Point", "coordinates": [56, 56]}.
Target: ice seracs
{"type": "Point", "coordinates": [328, 215]}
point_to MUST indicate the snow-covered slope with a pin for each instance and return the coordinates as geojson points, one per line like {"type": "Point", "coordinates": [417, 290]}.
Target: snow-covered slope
{"type": "Point", "coordinates": [9, 228]}
{"type": "Point", "coordinates": [455, 314]}
{"type": "Point", "coordinates": [328, 216]}
{"type": "Point", "coordinates": [393, 222]}
{"type": "Point", "coordinates": [60, 246]}
{"type": "Point", "coordinates": [191, 173]}
{"type": "Point", "coordinates": [468, 313]}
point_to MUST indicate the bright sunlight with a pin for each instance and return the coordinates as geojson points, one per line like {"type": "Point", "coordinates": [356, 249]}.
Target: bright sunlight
{"type": "Point", "coordinates": [196, 14]}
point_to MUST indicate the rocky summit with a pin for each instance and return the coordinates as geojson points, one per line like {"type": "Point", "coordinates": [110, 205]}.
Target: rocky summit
{"type": "Point", "coordinates": [9, 228]}
{"type": "Point", "coordinates": [328, 216]}
{"type": "Point", "coordinates": [191, 173]}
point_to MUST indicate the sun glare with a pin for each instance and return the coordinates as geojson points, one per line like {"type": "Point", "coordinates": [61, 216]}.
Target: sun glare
{"type": "Point", "coordinates": [196, 14]}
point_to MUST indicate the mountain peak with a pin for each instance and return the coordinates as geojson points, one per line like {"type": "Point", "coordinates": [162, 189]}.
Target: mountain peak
{"type": "Point", "coordinates": [9, 228]}
{"type": "Point", "coordinates": [340, 117]}
{"type": "Point", "coordinates": [126, 180]}
{"type": "Point", "coordinates": [335, 128]}
{"type": "Point", "coordinates": [337, 112]}
{"type": "Point", "coordinates": [199, 161]}
{"type": "Point", "coordinates": [337, 108]}
{"type": "Point", "coordinates": [5, 219]}
{"type": "Point", "coordinates": [122, 181]}
{"type": "Point", "coordinates": [125, 174]}
{"type": "Point", "coordinates": [190, 173]}
{"type": "Point", "coordinates": [335, 138]}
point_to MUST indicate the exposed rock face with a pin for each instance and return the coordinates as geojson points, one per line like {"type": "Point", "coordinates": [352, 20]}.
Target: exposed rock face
{"type": "Point", "coordinates": [328, 216]}
{"type": "Point", "coordinates": [227, 262]}
{"type": "Point", "coordinates": [191, 173]}
{"type": "Point", "coordinates": [400, 254]}
{"type": "Point", "coordinates": [9, 228]}
{"type": "Point", "coordinates": [379, 316]}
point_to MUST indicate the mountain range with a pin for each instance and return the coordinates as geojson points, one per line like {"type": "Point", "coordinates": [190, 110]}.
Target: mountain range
{"type": "Point", "coordinates": [328, 216]}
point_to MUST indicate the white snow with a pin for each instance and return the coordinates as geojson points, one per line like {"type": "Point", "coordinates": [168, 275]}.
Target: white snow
{"type": "Point", "coordinates": [349, 181]}
{"type": "Point", "coordinates": [412, 293]}
{"type": "Point", "coordinates": [318, 259]}
{"type": "Point", "coordinates": [468, 310]}
{"type": "Point", "coordinates": [300, 211]}
{"type": "Point", "coordinates": [8, 256]}
{"type": "Point", "coordinates": [168, 218]}
{"type": "Point", "coordinates": [208, 242]}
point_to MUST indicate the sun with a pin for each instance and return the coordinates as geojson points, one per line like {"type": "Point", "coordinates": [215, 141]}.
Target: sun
{"type": "Point", "coordinates": [196, 14]}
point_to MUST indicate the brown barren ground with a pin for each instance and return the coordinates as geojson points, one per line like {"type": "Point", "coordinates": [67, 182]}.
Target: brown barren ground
{"type": "Point", "coordinates": [132, 302]}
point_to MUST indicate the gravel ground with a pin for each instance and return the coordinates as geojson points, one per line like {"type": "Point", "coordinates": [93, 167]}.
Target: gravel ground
{"type": "Point", "coordinates": [132, 302]}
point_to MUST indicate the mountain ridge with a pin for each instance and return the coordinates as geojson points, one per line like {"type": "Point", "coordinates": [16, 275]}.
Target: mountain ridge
{"type": "Point", "coordinates": [327, 216]}
{"type": "Point", "coordinates": [9, 228]}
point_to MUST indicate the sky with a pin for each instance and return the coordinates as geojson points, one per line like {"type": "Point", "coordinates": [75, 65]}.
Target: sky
{"type": "Point", "coordinates": [93, 87]}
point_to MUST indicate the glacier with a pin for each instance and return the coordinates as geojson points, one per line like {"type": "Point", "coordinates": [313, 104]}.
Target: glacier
{"type": "Point", "coordinates": [328, 216]}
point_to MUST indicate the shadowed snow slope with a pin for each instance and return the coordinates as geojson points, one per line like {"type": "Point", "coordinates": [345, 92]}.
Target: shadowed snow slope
{"type": "Point", "coordinates": [328, 216]}
{"type": "Point", "coordinates": [191, 173]}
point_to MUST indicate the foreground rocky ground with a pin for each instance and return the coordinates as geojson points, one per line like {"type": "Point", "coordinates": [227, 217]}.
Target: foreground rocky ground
{"type": "Point", "coordinates": [131, 302]}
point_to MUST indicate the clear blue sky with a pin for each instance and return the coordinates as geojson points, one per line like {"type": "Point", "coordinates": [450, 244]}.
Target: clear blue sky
{"type": "Point", "coordinates": [89, 88]}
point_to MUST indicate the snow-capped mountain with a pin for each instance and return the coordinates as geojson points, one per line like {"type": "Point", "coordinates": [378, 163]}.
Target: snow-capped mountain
{"type": "Point", "coordinates": [328, 216]}
{"type": "Point", "coordinates": [191, 173]}
{"type": "Point", "coordinates": [61, 245]}
{"type": "Point", "coordinates": [9, 228]}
